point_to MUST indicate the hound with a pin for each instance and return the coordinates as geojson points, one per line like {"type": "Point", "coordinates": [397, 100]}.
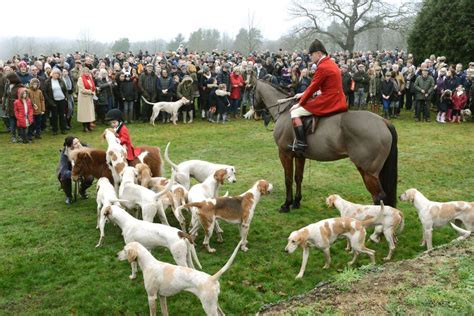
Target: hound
{"type": "Point", "coordinates": [236, 210]}
{"type": "Point", "coordinates": [437, 214]}
{"type": "Point", "coordinates": [106, 196]}
{"type": "Point", "coordinates": [151, 235]}
{"type": "Point", "coordinates": [144, 177]}
{"type": "Point", "coordinates": [169, 107]}
{"type": "Point", "coordinates": [166, 279]}
{"type": "Point", "coordinates": [116, 155]}
{"type": "Point", "coordinates": [136, 195]}
{"type": "Point", "coordinates": [198, 169]}
{"type": "Point", "coordinates": [323, 233]}
{"type": "Point", "coordinates": [466, 114]}
{"type": "Point", "coordinates": [389, 221]}
{"type": "Point", "coordinates": [206, 190]}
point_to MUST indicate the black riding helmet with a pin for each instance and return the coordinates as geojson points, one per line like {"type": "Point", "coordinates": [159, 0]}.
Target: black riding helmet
{"type": "Point", "coordinates": [114, 115]}
{"type": "Point", "coordinates": [317, 46]}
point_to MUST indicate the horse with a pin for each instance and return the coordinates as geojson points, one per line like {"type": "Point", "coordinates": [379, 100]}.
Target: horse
{"type": "Point", "coordinates": [92, 161]}
{"type": "Point", "coordinates": [368, 140]}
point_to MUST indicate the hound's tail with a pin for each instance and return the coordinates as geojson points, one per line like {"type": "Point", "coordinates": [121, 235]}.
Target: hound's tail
{"type": "Point", "coordinates": [167, 158]}
{"type": "Point", "coordinates": [402, 222]}
{"type": "Point", "coordinates": [372, 220]}
{"type": "Point", "coordinates": [146, 101]}
{"type": "Point", "coordinates": [462, 232]}
{"type": "Point", "coordinates": [226, 267]}
{"type": "Point", "coordinates": [191, 248]}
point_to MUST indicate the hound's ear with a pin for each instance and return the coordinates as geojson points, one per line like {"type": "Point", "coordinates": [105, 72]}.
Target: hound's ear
{"type": "Point", "coordinates": [220, 175]}
{"type": "Point", "coordinates": [303, 237]}
{"type": "Point", "coordinates": [107, 211]}
{"type": "Point", "coordinates": [132, 254]}
{"type": "Point", "coordinates": [262, 187]}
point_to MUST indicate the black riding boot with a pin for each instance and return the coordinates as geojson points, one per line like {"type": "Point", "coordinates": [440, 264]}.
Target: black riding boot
{"type": "Point", "coordinates": [300, 145]}
{"type": "Point", "coordinates": [85, 183]}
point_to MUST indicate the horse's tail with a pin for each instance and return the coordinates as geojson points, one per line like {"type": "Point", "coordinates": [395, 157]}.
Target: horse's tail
{"type": "Point", "coordinates": [389, 173]}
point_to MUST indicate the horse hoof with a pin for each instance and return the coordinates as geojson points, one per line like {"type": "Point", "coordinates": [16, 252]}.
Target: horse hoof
{"type": "Point", "coordinates": [295, 205]}
{"type": "Point", "coordinates": [284, 209]}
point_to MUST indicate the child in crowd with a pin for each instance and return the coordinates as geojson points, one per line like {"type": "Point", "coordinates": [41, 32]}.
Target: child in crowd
{"type": "Point", "coordinates": [444, 104]}
{"type": "Point", "coordinates": [222, 102]}
{"type": "Point", "coordinates": [459, 99]}
{"type": "Point", "coordinates": [24, 116]}
{"type": "Point", "coordinates": [37, 99]}
{"type": "Point", "coordinates": [115, 118]}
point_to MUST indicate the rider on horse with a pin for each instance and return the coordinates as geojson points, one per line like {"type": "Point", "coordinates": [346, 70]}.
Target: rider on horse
{"type": "Point", "coordinates": [116, 121]}
{"type": "Point", "coordinates": [327, 84]}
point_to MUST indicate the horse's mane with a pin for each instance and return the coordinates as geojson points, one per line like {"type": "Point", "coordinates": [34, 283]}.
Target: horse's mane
{"type": "Point", "coordinates": [277, 87]}
{"type": "Point", "coordinates": [91, 152]}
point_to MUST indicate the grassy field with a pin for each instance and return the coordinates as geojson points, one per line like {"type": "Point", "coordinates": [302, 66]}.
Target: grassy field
{"type": "Point", "coordinates": [49, 264]}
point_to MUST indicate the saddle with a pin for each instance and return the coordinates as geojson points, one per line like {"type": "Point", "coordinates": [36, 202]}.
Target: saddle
{"type": "Point", "coordinates": [310, 123]}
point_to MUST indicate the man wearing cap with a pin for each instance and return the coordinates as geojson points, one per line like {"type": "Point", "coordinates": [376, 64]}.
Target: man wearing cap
{"type": "Point", "coordinates": [327, 80]}
{"type": "Point", "coordinates": [424, 86]}
{"type": "Point", "coordinates": [147, 84]}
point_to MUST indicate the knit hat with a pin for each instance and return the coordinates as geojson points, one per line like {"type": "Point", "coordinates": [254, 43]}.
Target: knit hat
{"type": "Point", "coordinates": [22, 64]}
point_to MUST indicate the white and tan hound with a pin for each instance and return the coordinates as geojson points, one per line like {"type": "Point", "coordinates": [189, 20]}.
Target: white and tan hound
{"type": "Point", "coordinates": [170, 107]}
{"type": "Point", "coordinates": [106, 196]}
{"type": "Point", "coordinates": [323, 233]}
{"type": "Point", "coordinates": [164, 279]}
{"type": "Point", "coordinates": [235, 209]}
{"type": "Point", "coordinates": [389, 221]}
{"type": "Point", "coordinates": [116, 156]}
{"type": "Point", "coordinates": [437, 214]}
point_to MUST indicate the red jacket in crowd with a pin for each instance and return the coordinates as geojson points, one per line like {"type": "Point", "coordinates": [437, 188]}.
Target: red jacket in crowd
{"type": "Point", "coordinates": [459, 101]}
{"type": "Point", "coordinates": [328, 80]}
{"type": "Point", "coordinates": [125, 140]}
{"type": "Point", "coordinates": [20, 114]}
{"type": "Point", "coordinates": [236, 83]}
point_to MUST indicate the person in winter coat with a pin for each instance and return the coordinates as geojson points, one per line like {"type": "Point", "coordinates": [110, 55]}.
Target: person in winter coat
{"type": "Point", "coordinates": [444, 104]}
{"type": "Point", "coordinates": [186, 90]}
{"type": "Point", "coordinates": [64, 170]}
{"type": "Point", "coordinates": [386, 90]}
{"type": "Point", "coordinates": [147, 83]}
{"type": "Point", "coordinates": [70, 99]}
{"type": "Point", "coordinates": [85, 103]}
{"type": "Point", "coordinates": [222, 102]}
{"type": "Point", "coordinates": [250, 80]}
{"type": "Point", "coordinates": [375, 80]}
{"type": "Point", "coordinates": [224, 76]}
{"type": "Point", "coordinates": [24, 116]}
{"type": "Point", "coordinates": [424, 86]}
{"type": "Point", "coordinates": [347, 85]}
{"type": "Point", "coordinates": [459, 99]}
{"type": "Point", "coordinates": [361, 79]}
{"type": "Point", "coordinates": [303, 81]}
{"type": "Point", "coordinates": [129, 95]}
{"type": "Point", "coordinates": [236, 83]}
{"type": "Point", "coordinates": [165, 91]}
{"type": "Point", "coordinates": [39, 107]}
{"type": "Point", "coordinates": [212, 100]}
{"type": "Point", "coordinates": [326, 79]}
{"type": "Point", "coordinates": [24, 75]}
{"type": "Point", "coordinates": [11, 94]}
{"type": "Point", "coordinates": [204, 90]}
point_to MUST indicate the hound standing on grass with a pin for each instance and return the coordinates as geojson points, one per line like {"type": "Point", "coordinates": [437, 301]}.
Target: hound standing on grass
{"type": "Point", "coordinates": [116, 155]}
{"type": "Point", "coordinates": [151, 235]}
{"type": "Point", "coordinates": [323, 233]}
{"type": "Point", "coordinates": [437, 214]}
{"type": "Point", "coordinates": [387, 224]}
{"type": "Point", "coordinates": [170, 107]}
{"type": "Point", "coordinates": [166, 279]}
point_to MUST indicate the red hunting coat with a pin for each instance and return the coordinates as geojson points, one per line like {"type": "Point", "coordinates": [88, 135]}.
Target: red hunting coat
{"type": "Point", "coordinates": [327, 78]}
{"type": "Point", "coordinates": [126, 141]}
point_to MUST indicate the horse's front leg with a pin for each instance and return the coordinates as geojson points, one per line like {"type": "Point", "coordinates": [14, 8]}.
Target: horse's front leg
{"type": "Point", "coordinates": [299, 170]}
{"type": "Point", "coordinates": [287, 163]}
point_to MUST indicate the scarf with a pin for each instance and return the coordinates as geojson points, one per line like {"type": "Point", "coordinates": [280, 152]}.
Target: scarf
{"type": "Point", "coordinates": [88, 82]}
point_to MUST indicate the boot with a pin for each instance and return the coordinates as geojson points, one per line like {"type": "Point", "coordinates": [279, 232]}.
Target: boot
{"type": "Point", "coordinates": [243, 110]}
{"type": "Point", "coordinates": [203, 114]}
{"type": "Point", "coordinates": [385, 114]}
{"type": "Point", "coordinates": [438, 117]}
{"type": "Point", "coordinates": [300, 145]}
{"type": "Point", "coordinates": [191, 114]}
{"type": "Point", "coordinates": [449, 116]}
{"type": "Point", "coordinates": [185, 114]}
{"type": "Point", "coordinates": [218, 117]}
{"type": "Point", "coordinates": [443, 118]}
{"type": "Point", "coordinates": [224, 118]}
{"type": "Point", "coordinates": [66, 185]}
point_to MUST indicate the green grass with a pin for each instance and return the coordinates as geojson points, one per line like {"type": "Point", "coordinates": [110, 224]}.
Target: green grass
{"type": "Point", "coordinates": [49, 264]}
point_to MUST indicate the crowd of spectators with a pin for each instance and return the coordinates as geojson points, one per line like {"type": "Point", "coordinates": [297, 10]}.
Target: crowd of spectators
{"type": "Point", "coordinates": [220, 85]}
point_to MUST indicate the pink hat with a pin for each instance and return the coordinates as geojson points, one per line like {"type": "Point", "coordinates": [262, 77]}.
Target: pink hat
{"type": "Point", "coordinates": [22, 64]}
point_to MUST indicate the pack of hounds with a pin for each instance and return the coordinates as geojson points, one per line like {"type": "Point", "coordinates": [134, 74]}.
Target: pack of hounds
{"type": "Point", "coordinates": [135, 190]}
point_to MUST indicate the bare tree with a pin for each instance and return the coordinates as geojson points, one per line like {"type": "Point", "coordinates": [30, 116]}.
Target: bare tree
{"type": "Point", "coordinates": [356, 17]}
{"type": "Point", "coordinates": [85, 40]}
{"type": "Point", "coordinates": [254, 35]}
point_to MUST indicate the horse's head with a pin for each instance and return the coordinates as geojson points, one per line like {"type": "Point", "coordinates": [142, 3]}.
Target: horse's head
{"type": "Point", "coordinates": [80, 160]}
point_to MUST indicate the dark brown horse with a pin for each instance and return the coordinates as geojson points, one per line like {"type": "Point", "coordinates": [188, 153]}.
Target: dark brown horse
{"type": "Point", "coordinates": [91, 161]}
{"type": "Point", "coordinates": [368, 140]}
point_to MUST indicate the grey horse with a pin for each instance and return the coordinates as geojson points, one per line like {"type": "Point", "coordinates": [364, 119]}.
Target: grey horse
{"type": "Point", "coordinates": [368, 140]}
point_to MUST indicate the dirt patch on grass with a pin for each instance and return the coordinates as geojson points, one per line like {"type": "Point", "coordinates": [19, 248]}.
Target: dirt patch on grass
{"type": "Point", "coordinates": [439, 281]}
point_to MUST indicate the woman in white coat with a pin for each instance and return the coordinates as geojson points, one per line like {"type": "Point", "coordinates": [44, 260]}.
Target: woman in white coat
{"type": "Point", "coordinates": [85, 103]}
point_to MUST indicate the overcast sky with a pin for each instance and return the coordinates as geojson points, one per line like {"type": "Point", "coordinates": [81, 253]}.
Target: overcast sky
{"type": "Point", "coordinates": [142, 20]}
